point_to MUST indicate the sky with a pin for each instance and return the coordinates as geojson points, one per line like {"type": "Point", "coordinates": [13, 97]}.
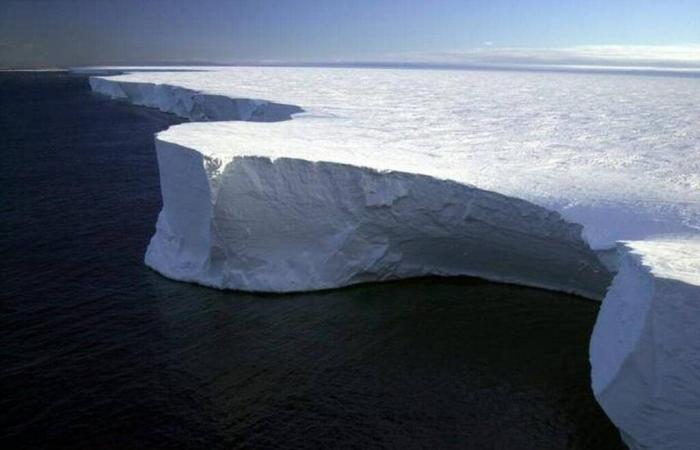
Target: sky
{"type": "Point", "coordinates": [49, 33]}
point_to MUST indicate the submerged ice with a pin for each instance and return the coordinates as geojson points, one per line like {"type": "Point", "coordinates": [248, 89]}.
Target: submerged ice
{"type": "Point", "coordinates": [379, 174]}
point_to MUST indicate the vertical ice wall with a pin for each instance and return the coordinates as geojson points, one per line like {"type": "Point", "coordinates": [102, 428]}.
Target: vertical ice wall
{"type": "Point", "coordinates": [256, 224]}
{"type": "Point", "coordinates": [645, 348]}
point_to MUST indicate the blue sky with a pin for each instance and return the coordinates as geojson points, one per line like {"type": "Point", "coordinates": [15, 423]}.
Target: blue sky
{"type": "Point", "coordinates": [81, 32]}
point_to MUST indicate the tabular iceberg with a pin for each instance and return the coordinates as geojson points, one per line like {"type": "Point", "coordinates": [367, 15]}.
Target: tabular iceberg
{"type": "Point", "coordinates": [365, 184]}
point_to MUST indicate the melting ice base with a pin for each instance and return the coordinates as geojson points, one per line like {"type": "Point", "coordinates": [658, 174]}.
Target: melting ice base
{"type": "Point", "coordinates": [376, 174]}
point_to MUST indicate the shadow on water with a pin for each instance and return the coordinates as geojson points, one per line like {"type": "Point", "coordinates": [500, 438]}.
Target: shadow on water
{"type": "Point", "coordinates": [100, 352]}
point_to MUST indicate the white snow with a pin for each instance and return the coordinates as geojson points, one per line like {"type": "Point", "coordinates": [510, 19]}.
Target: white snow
{"type": "Point", "coordinates": [387, 173]}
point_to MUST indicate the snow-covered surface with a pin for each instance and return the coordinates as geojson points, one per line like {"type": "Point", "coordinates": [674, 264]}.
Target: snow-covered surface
{"type": "Point", "coordinates": [374, 161]}
{"type": "Point", "coordinates": [580, 144]}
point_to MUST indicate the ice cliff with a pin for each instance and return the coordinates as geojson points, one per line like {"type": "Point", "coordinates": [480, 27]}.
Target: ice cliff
{"type": "Point", "coordinates": [193, 105]}
{"type": "Point", "coordinates": [356, 187]}
{"type": "Point", "coordinates": [645, 348]}
{"type": "Point", "coordinates": [254, 223]}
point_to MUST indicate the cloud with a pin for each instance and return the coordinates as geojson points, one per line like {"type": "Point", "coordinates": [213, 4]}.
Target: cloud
{"type": "Point", "coordinates": [687, 56]}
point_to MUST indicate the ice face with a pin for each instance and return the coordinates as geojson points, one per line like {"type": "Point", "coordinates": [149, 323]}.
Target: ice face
{"type": "Point", "coordinates": [288, 224]}
{"type": "Point", "coordinates": [377, 174]}
{"type": "Point", "coordinates": [645, 348]}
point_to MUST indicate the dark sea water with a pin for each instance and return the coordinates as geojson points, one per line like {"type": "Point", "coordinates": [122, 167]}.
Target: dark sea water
{"type": "Point", "coordinates": [97, 351]}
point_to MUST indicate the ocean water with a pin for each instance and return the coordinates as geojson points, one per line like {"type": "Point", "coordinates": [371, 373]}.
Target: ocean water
{"type": "Point", "coordinates": [98, 351]}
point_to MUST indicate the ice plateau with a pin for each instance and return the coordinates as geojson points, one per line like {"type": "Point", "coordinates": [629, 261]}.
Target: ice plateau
{"type": "Point", "coordinates": [371, 174]}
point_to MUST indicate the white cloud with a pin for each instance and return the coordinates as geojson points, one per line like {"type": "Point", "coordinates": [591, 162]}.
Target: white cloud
{"type": "Point", "coordinates": [686, 56]}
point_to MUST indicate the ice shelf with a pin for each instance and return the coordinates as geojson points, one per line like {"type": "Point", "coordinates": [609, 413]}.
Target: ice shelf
{"type": "Point", "coordinates": [379, 174]}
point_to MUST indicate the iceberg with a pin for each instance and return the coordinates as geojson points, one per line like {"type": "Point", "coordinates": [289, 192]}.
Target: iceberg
{"type": "Point", "coordinates": [372, 174]}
